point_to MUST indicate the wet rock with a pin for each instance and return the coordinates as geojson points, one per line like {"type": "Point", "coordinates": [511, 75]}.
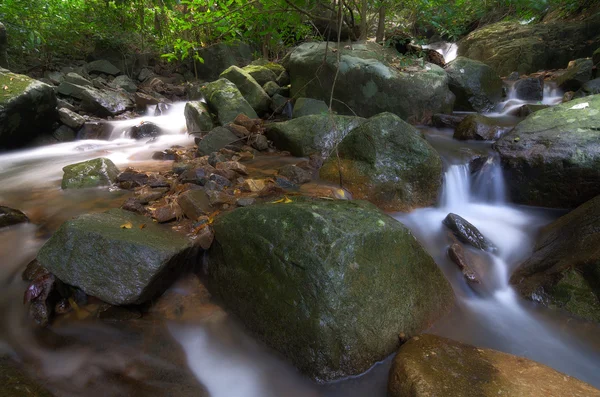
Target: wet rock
{"type": "Point", "coordinates": [221, 180]}
{"type": "Point", "coordinates": [194, 203]}
{"type": "Point", "coordinates": [95, 130]}
{"type": "Point", "coordinates": [102, 66]}
{"type": "Point", "coordinates": [33, 270]}
{"type": "Point", "coordinates": [125, 83]}
{"type": "Point", "coordinates": [467, 233]}
{"type": "Point", "coordinates": [27, 109]}
{"type": "Point", "coordinates": [10, 216]}
{"type": "Point", "coordinates": [165, 213]}
{"type": "Point", "coordinates": [91, 173]}
{"type": "Point", "coordinates": [315, 134]}
{"type": "Point", "coordinates": [286, 184]}
{"type": "Point", "coordinates": [479, 127]}
{"type": "Point", "coordinates": [429, 365]}
{"type": "Point", "coordinates": [37, 295]}
{"type": "Point", "coordinates": [216, 139]}
{"type": "Point", "coordinates": [144, 130]}
{"type": "Point", "coordinates": [300, 276]}
{"type": "Point", "coordinates": [476, 86]}
{"type": "Point", "coordinates": [564, 269]}
{"type": "Point", "coordinates": [131, 178]}
{"type": "Point", "coordinates": [446, 120]}
{"type": "Point", "coordinates": [367, 83]}
{"type": "Point", "coordinates": [578, 73]}
{"type": "Point", "coordinates": [103, 103]}
{"type": "Point", "coordinates": [261, 74]}
{"type": "Point", "coordinates": [295, 174]}
{"type": "Point", "coordinates": [386, 161]}
{"type": "Point", "coordinates": [143, 100]}
{"type": "Point", "coordinates": [164, 155]}
{"type": "Point", "coordinates": [224, 98]}
{"type": "Point", "coordinates": [162, 108]}
{"type": "Point", "coordinates": [456, 253]}
{"type": "Point", "coordinates": [551, 158]}
{"type": "Point", "coordinates": [250, 89]}
{"type": "Point", "coordinates": [530, 89]}
{"type": "Point", "coordinates": [197, 117]}
{"type": "Point", "coordinates": [197, 176]}
{"type": "Point", "coordinates": [101, 255]}
{"type": "Point", "coordinates": [64, 134]}
{"type": "Point", "coordinates": [70, 118]}
{"type": "Point", "coordinates": [308, 106]}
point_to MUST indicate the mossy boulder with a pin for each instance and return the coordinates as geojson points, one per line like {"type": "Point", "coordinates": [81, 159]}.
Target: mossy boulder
{"type": "Point", "coordinates": [197, 117]}
{"type": "Point", "coordinates": [261, 73]}
{"type": "Point", "coordinates": [226, 100]}
{"type": "Point", "coordinates": [219, 57]}
{"type": "Point", "coordinates": [113, 257]}
{"type": "Point", "coordinates": [314, 134]}
{"type": "Point", "coordinates": [90, 173]}
{"type": "Point", "coordinates": [512, 47]}
{"type": "Point", "coordinates": [564, 270]}
{"type": "Point", "coordinates": [250, 89]}
{"type": "Point", "coordinates": [215, 140]}
{"type": "Point", "coordinates": [369, 81]}
{"type": "Point", "coordinates": [429, 365]}
{"type": "Point", "coordinates": [308, 106]}
{"type": "Point", "coordinates": [329, 284]}
{"type": "Point", "coordinates": [386, 161]}
{"type": "Point", "coordinates": [578, 73]}
{"type": "Point", "coordinates": [552, 158]}
{"type": "Point", "coordinates": [476, 85]}
{"type": "Point", "coordinates": [27, 109]}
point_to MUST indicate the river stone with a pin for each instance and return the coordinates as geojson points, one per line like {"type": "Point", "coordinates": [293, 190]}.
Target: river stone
{"type": "Point", "coordinates": [511, 46]}
{"type": "Point", "coordinates": [99, 254]}
{"type": "Point", "coordinates": [224, 98]}
{"type": "Point", "coordinates": [329, 284]}
{"type": "Point", "coordinates": [103, 103]}
{"type": "Point", "coordinates": [70, 118]}
{"type": "Point", "coordinates": [102, 66]}
{"type": "Point", "coordinates": [27, 109]}
{"type": "Point", "coordinates": [125, 83]}
{"type": "Point", "coordinates": [367, 84]}
{"type": "Point", "coordinates": [564, 269]}
{"type": "Point", "coordinates": [261, 74]}
{"type": "Point", "coordinates": [386, 161]}
{"type": "Point", "coordinates": [10, 216]}
{"type": "Point", "coordinates": [591, 87]}
{"type": "Point", "coordinates": [530, 89]}
{"type": "Point", "coordinates": [314, 134]}
{"type": "Point", "coordinates": [219, 57]}
{"type": "Point", "coordinates": [143, 130]}
{"type": "Point", "coordinates": [467, 233]}
{"type": "Point", "coordinates": [308, 106]}
{"type": "Point", "coordinates": [250, 89]}
{"type": "Point", "coordinates": [197, 117]}
{"type": "Point", "coordinates": [216, 140]}
{"type": "Point", "coordinates": [479, 127]}
{"type": "Point", "coordinates": [552, 158]}
{"type": "Point", "coordinates": [429, 365]}
{"type": "Point", "coordinates": [91, 173]}
{"type": "Point", "coordinates": [440, 120]}
{"type": "Point", "coordinates": [476, 86]}
{"type": "Point", "coordinates": [578, 73]}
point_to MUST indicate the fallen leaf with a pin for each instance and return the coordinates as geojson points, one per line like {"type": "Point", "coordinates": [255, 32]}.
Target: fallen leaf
{"type": "Point", "coordinates": [284, 200]}
{"type": "Point", "coordinates": [143, 225]}
{"type": "Point", "coordinates": [126, 225]}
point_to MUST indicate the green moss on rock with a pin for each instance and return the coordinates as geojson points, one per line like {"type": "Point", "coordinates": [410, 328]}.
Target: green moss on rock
{"type": "Point", "coordinates": [90, 173]}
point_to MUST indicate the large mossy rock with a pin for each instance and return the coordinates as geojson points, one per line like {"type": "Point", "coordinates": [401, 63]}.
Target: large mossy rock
{"type": "Point", "coordinates": [197, 117]}
{"type": "Point", "coordinates": [263, 74]}
{"type": "Point", "coordinates": [27, 109]}
{"type": "Point", "coordinates": [431, 366]}
{"type": "Point", "coordinates": [552, 158]}
{"type": "Point", "coordinates": [314, 134]}
{"type": "Point", "coordinates": [368, 83]}
{"type": "Point", "coordinates": [564, 270]}
{"type": "Point", "coordinates": [219, 57]}
{"type": "Point", "coordinates": [512, 47]}
{"type": "Point", "coordinates": [113, 257]}
{"type": "Point", "coordinates": [329, 284]}
{"type": "Point", "coordinates": [250, 89]}
{"type": "Point", "coordinates": [386, 161]}
{"type": "Point", "coordinates": [226, 100]}
{"type": "Point", "coordinates": [90, 173]}
{"type": "Point", "coordinates": [476, 86]}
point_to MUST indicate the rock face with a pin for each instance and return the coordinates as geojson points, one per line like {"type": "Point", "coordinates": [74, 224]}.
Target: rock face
{"type": "Point", "coordinates": [110, 257]}
{"type": "Point", "coordinates": [329, 284]}
{"type": "Point", "coordinates": [387, 162]}
{"type": "Point", "coordinates": [509, 46]}
{"type": "Point", "coordinates": [27, 109]}
{"type": "Point", "coordinates": [552, 158]}
{"type": "Point", "coordinates": [220, 56]}
{"type": "Point", "coordinates": [224, 98]}
{"type": "Point", "coordinates": [10, 216]}
{"type": "Point", "coordinates": [564, 270]}
{"type": "Point", "coordinates": [197, 117]}
{"type": "Point", "coordinates": [367, 84]}
{"type": "Point", "coordinates": [250, 89]}
{"type": "Point", "coordinates": [479, 127]}
{"type": "Point", "coordinates": [429, 365]}
{"type": "Point", "coordinates": [308, 135]}
{"type": "Point", "coordinates": [91, 173]}
{"type": "Point", "coordinates": [476, 86]}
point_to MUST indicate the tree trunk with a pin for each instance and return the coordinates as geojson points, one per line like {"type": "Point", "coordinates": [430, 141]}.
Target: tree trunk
{"type": "Point", "coordinates": [380, 25]}
{"type": "Point", "coordinates": [363, 19]}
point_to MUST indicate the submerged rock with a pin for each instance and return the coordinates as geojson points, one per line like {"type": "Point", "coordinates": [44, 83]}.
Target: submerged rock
{"type": "Point", "coordinates": [564, 270]}
{"type": "Point", "coordinates": [429, 365]}
{"type": "Point", "coordinates": [467, 233]}
{"type": "Point", "coordinates": [386, 161]}
{"type": "Point", "coordinates": [70, 118]}
{"type": "Point", "coordinates": [224, 98]}
{"type": "Point", "coordinates": [91, 173]}
{"type": "Point", "coordinates": [112, 257]}
{"type": "Point", "coordinates": [10, 216]}
{"type": "Point", "coordinates": [329, 284]}
{"type": "Point", "coordinates": [552, 158]}
{"type": "Point", "coordinates": [146, 129]}
{"type": "Point", "coordinates": [476, 86]}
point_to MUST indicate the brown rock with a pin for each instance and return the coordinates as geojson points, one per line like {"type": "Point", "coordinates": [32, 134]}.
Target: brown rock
{"type": "Point", "coordinates": [253, 185]}
{"type": "Point", "coordinates": [133, 205]}
{"type": "Point", "coordinates": [194, 203]}
{"type": "Point", "coordinates": [205, 237]}
{"type": "Point", "coordinates": [245, 121]}
{"type": "Point", "coordinates": [233, 166]}
{"type": "Point", "coordinates": [238, 130]}
{"type": "Point", "coordinates": [147, 194]}
{"type": "Point", "coordinates": [166, 213]}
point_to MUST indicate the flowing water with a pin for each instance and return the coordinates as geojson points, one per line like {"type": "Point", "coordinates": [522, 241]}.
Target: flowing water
{"type": "Point", "coordinates": [209, 353]}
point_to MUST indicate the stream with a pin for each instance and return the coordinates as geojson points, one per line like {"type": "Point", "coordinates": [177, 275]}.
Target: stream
{"type": "Point", "coordinates": [210, 354]}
